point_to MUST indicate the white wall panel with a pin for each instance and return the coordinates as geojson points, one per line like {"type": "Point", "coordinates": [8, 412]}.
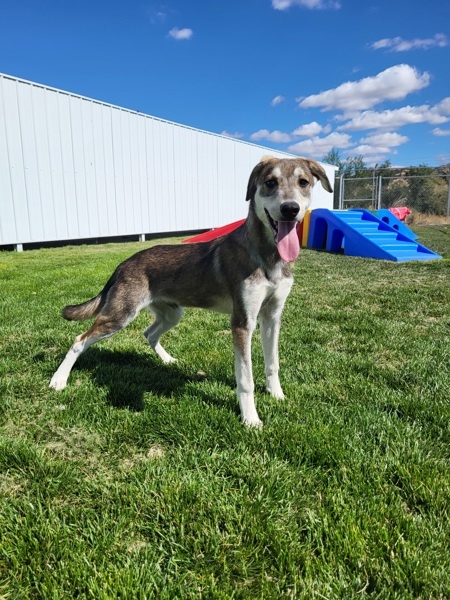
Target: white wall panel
{"type": "Point", "coordinates": [81, 184]}
{"type": "Point", "coordinates": [152, 186]}
{"type": "Point", "coordinates": [30, 161]}
{"type": "Point", "coordinates": [68, 169]}
{"type": "Point", "coordinates": [15, 165]}
{"type": "Point", "coordinates": [73, 168]}
{"type": "Point", "coordinates": [7, 214]}
{"type": "Point", "coordinates": [206, 176]}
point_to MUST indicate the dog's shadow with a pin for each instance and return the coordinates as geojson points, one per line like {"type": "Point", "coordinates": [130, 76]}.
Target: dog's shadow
{"type": "Point", "coordinates": [128, 376]}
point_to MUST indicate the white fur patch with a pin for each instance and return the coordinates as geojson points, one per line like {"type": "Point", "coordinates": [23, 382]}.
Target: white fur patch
{"type": "Point", "coordinates": [277, 172]}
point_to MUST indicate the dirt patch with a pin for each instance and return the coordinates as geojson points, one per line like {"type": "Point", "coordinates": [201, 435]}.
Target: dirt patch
{"type": "Point", "coordinates": [423, 219]}
{"type": "Point", "coordinates": [155, 452]}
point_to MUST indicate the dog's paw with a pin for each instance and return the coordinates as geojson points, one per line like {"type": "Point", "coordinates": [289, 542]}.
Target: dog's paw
{"type": "Point", "coordinates": [249, 414]}
{"type": "Point", "coordinates": [57, 383]}
{"type": "Point", "coordinates": [169, 359]}
{"type": "Point", "coordinates": [276, 392]}
{"type": "Point", "coordinates": [273, 386]}
{"type": "Point", "coordinates": [165, 356]}
{"type": "Point", "coordinates": [253, 424]}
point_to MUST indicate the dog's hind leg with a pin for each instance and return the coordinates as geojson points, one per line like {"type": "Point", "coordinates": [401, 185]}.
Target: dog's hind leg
{"type": "Point", "coordinates": [166, 317]}
{"type": "Point", "coordinates": [103, 327]}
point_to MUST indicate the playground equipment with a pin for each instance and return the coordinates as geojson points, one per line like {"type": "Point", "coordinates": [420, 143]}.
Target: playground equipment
{"type": "Point", "coordinates": [355, 232]}
{"type": "Point", "coordinates": [389, 217]}
{"type": "Point", "coordinates": [302, 231]}
{"type": "Point", "coordinates": [213, 233]}
{"type": "Point", "coordinates": [359, 232]}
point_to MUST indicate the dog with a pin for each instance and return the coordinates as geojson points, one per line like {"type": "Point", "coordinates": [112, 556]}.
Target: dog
{"type": "Point", "coordinates": [246, 274]}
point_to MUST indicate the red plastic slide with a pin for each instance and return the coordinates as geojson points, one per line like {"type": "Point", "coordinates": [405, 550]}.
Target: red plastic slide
{"type": "Point", "coordinates": [213, 233]}
{"type": "Point", "coordinates": [219, 231]}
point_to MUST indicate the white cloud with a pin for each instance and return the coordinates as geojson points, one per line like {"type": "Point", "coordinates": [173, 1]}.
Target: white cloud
{"type": "Point", "coordinates": [181, 34]}
{"type": "Point", "coordinates": [372, 160]}
{"type": "Point", "coordinates": [277, 100]}
{"type": "Point", "coordinates": [368, 150]}
{"type": "Point", "coordinates": [393, 119]}
{"type": "Point", "coordinates": [443, 159]}
{"type": "Point", "coordinates": [440, 132]}
{"type": "Point", "coordinates": [378, 145]}
{"type": "Point", "coordinates": [278, 137]}
{"type": "Point", "coordinates": [312, 4]}
{"type": "Point", "coordinates": [317, 146]}
{"type": "Point", "coordinates": [443, 107]}
{"type": "Point", "coordinates": [392, 84]}
{"type": "Point", "coordinates": [237, 134]}
{"type": "Point", "coordinates": [388, 139]}
{"type": "Point", "coordinates": [398, 44]}
{"type": "Point", "coordinates": [309, 129]}
{"type": "Point", "coordinates": [157, 16]}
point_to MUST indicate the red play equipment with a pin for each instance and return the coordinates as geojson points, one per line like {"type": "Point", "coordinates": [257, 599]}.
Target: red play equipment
{"type": "Point", "coordinates": [213, 233]}
{"type": "Point", "coordinates": [219, 231]}
{"type": "Point", "coordinates": [400, 212]}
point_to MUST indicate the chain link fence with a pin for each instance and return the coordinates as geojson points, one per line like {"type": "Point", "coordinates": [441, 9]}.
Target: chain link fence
{"type": "Point", "coordinates": [425, 194]}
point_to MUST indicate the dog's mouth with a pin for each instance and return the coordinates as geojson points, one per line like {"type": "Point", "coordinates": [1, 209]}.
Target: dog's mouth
{"type": "Point", "coordinates": [286, 238]}
{"type": "Point", "coordinates": [272, 223]}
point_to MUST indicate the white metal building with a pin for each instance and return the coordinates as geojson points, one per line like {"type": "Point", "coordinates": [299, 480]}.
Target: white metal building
{"type": "Point", "coordinates": [76, 168]}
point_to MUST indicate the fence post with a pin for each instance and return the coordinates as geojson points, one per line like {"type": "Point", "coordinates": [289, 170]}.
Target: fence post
{"type": "Point", "coordinates": [448, 196]}
{"type": "Point", "coordinates": [341, 192]}
{"type": "Point", "coordinates": [380, 183]}
{"type": "Point", "coordinates": [374, 189]}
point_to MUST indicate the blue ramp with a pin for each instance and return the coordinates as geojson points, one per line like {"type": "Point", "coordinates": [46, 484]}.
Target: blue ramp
{"type": "Point", "coordinates": [360, 233]}
{"type": "Point", "coordinates": [385, 215]}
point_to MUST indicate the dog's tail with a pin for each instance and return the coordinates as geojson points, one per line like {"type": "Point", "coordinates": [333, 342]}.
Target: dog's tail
{"type": "Point", "coordinates": [90, 308]}
{"type": "Point", "coordinates": [80, 312]}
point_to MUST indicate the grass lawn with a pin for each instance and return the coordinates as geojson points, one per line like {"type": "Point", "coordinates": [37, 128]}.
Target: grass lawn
{"type": "Point", "coordinates": [138, 480]}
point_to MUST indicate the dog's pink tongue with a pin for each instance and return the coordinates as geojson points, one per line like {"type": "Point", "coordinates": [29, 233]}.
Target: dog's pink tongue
{"type": "Point", "coordinates": [287, 240]}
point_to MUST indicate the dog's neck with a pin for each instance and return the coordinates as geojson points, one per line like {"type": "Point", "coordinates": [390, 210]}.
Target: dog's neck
{"type": "Point", "coordinates": [262, 239]}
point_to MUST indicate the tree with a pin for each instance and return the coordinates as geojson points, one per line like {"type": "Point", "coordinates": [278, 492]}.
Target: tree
{"type": "Point", "coordinates": [384, 169]}
{"type": "Point", "coordinates": [353, 166]}
{"type": "Point", "coordinates": [333, 158]}
{"type": "Point", "coordinates": [444, 170]}
{"type": "Point", "coordinates": [421, 170]}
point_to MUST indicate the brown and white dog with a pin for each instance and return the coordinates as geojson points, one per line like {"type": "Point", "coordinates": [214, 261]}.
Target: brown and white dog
{"type": "Point", "coordinates": [245, 273]}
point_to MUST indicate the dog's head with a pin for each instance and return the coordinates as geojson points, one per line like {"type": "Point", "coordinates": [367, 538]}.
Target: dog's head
{"type": "Point", "coordinates": [280, 193]}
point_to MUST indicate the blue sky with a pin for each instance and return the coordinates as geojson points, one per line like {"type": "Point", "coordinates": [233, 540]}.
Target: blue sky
{"type": "Point", "coordinates": [369, 77]}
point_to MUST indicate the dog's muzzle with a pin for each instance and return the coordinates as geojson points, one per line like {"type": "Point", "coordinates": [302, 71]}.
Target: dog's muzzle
{"type": "Point", "coordinates": [289, 210]}
{"type": "Point", "coordinates": [285, 231]}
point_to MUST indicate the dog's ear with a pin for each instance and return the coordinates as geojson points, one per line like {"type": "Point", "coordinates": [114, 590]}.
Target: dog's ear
{"type": "Point", "coordinates": [251, 186]}
{"type": "Point", "coordinates": [318, 171]}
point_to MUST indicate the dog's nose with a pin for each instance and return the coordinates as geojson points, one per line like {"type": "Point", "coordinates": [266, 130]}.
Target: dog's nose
{"type": "Point", "coordinates": [289, 209]}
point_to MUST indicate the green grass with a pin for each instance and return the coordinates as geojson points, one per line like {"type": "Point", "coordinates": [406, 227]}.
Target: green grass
{"type": "Point", "coordinates": [138, 480]}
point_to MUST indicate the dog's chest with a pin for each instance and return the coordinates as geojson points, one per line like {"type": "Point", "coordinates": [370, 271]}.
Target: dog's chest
{"type": "Point", "coordinates": [262, 287]}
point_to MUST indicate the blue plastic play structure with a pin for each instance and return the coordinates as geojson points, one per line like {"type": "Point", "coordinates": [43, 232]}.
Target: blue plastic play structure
{"type": "Point", "coordinates": [359, 232]}
{"type": "Point", "coordinates": [387, 217]}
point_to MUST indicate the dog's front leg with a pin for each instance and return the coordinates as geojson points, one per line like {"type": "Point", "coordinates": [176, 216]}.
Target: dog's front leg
{"type": "Point", "coordinates": [242, 338]}
{"type": "Point", "coordinates": [270, 323]}
{"type": "Point", "coordinates": [244, 377]}
{"type": "Point", "coordinates": [270, 330]}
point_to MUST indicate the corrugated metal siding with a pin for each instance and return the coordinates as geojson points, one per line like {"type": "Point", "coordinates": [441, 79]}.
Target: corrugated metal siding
{"type": "Point", "coordinates": [73, 168]}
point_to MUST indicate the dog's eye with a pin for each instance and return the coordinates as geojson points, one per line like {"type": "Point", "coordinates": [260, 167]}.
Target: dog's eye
{"type": "Point", "coordinates": [303, 182]}
{"type": "Point", "coordinates": [271, 183]}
